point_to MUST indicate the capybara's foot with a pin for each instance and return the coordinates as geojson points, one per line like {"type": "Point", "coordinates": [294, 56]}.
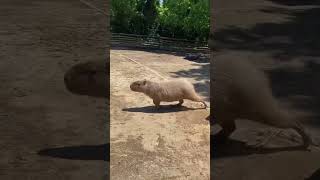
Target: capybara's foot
{"type": "Point", "coordinates": [204, 105]}
{"type": "Point", "coordinates": [220, 138]}
{"type": "Point", "coordinates": [180, 102]}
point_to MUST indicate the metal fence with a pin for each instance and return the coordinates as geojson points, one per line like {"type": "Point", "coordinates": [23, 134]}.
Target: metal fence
{"type": "Point", "coordinates": [162, 43]}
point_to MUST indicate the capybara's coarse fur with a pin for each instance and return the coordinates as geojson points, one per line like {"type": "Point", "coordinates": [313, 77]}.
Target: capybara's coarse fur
{"type": "Point", "coordinates": [241, 91]}
{"type": "Point", "coordinates": [167, 91]}
{"type": "Point", "coordinates": [88, 78]}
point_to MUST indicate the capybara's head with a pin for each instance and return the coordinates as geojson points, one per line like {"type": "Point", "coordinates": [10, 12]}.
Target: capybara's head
{"type": "Point", "coordinates": [89, 78]}
{"type": "Point", "coordinates": [138, 86]}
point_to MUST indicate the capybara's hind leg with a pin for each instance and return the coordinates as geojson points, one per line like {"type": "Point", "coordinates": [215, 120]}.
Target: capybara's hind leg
{"type": "Point", "coordinates": [228, 127]}
{"type": "Point", "coordinates": [305, 137]}
{"type": "Point", "coordinates": [204, 104]}
{"type": "Point", "coordinates": [198, 99]}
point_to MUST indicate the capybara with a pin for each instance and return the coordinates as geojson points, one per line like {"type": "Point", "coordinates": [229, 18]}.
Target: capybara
{"type": "Point", "coordinates": [240, 91]}
{"type": "Point", "coordinates": [167, 91]}
{"type": "Point", "coordinates": [89, 78]}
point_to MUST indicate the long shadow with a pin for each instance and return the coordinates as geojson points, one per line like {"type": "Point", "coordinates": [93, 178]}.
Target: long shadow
{"type": "Point", "coordinates": [162, 109]}
{"type": "Point", "coordinates": [296, 37]}
{"type": "Point", "coordinates": [85, 152]}
{"type": "Point", "coordinates": [296, 2]}
{"type": "Point", "coordinates": [176, 52]}
{"type": "Point", "coordinates": [233, 148]}
{"type": "Point", "coordinates": [151, 50]}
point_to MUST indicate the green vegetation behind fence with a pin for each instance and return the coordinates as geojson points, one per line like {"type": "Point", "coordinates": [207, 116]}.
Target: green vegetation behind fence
{"type": "Point", "coordinates": [183, 19]}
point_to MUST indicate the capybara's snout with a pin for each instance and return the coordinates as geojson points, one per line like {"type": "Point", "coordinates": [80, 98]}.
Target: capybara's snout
{"type": "Point", "coordinates": [133, 87]}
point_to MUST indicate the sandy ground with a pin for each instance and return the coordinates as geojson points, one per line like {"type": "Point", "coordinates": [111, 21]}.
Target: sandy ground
{"type": "Point", "coordinates": [171, 143]}
{"type": "Point", "coordinates": [281, 38]}
{"type": "Point", "coordinates": [46, 131]}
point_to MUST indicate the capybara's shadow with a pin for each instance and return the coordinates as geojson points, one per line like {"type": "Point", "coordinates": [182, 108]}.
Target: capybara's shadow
{"type": "Point", "coordinates": [162, 109]}
{"type": "Point", "coordinates": [232, 147]}
{"type": "Point", "coordinates": [84, 152]}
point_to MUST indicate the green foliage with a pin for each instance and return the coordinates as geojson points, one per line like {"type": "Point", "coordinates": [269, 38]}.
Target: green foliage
{"type": "Point", "coordinates": [122, 13]}
{"type": "Point", "coordinates": [175, 18]}
{"type": "Point", "coordinates": [185, 19]}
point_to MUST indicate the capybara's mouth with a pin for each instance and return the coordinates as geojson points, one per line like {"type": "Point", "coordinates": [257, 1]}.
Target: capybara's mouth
{"type": "Point", "coordinates": [133, 88]}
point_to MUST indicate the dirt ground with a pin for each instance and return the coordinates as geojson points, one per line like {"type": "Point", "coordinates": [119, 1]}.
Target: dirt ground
{"type": "Point", "coordinates": [280, 37]}
{"type": "Point", "coordinates": [171, 143]}
{"type": "Point", "coordinates": [46, 131]}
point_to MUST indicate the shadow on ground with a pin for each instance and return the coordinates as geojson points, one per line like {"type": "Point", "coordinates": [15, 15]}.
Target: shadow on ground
{"type": "Point", "coordinates": [296, 37]}
{"type": "Point", "coordinates": [151, 50]}
{"type": "Point", "coordinates": [233, 148]}
{"type": "Point", "coordinates": [314, 176]}
{"type": "Point", "coordinates": [163, 109]}
{"type": "Point", "coordinates": [296, 2]}
{"type": "Point", "coordinates": [96, 152]}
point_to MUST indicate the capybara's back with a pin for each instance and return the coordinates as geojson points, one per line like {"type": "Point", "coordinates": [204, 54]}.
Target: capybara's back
{"type": "Point", "coordinates": [239, 89]}
{"type": "Point", "coordinates": [167, 91]}
{"type": "Point", "coordinates": [177, 89]}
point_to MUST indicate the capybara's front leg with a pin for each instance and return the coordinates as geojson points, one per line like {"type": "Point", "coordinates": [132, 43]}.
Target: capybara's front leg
{"type": "Point", "coordinates": [180, 102]}
{"type": "Point", "coordinates": [156, 103]}
{"type": "Point", "coordinates": [227, 129]}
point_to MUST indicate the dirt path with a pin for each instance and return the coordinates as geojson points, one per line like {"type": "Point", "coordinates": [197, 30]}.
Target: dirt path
{"type": "Point", "coordinates": [172, 143]}
{"type": "Point", "coordinates": [281, 37]}
{"type": "Point", "coordinates": [47, 132]}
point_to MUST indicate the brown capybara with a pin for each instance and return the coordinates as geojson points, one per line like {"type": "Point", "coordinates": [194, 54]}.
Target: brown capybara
{"type": "Point", "coordinates": [89, 78]}
{"type": "Point", "coordinates": [240, 91]}
{"type": "Point", "coordinates": [167, 91]}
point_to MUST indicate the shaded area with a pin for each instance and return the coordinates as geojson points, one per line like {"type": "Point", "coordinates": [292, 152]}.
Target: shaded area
{"type": "Point", "coordinates": [198, 57]}
{"type": "Point", "coordinates": [162, 109]}
{"type": "Point", "coordinates": [296, 37]}
{"type": "Point", "coordinates": [296, 2]}
{"type": "Point", "coordinates": [232, 148]}
{"type": "Point", "coordinates": [96, 152]}
{"type": "Point", "coordinates": [151, 50]}
{"type": "Point", "coordinates": [304, 84]}
{"type": "Point", "coordinates": [314, 176]}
